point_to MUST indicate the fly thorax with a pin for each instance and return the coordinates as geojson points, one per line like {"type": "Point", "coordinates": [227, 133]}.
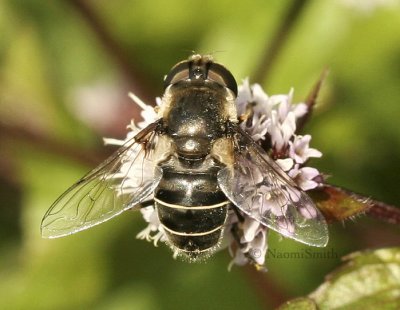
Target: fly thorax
{"type": "Point", "coordinates": [196, 117]}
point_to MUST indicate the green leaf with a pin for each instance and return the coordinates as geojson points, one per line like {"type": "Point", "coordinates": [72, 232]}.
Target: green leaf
{"type": "Point", "coordinates": [367, 280]}
{"type": "Point", "coordinates": [338, 204]}
{"type": "Point", "coordinates": [299, 304]}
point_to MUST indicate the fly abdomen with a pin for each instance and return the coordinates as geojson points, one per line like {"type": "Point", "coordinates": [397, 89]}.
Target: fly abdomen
{"type": "Point", "coordinates": [191, 207]}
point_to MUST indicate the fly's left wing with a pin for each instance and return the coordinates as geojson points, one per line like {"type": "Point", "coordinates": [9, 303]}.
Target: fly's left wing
{"type": "Point", "coordinates": [263, 191]}
{"type": "Point", "coordinates": [124, 180]}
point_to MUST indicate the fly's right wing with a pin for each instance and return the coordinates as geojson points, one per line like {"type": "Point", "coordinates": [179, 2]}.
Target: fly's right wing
{"type": "Point", "coordinates": [263, 191]}
{"type": "Point", "coordinates": [124, 180]}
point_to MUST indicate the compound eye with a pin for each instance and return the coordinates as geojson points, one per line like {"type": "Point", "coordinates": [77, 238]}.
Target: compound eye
{"type": "Point", "coordinates": [200, 69]}
{"type": "Point", "coordinates": [222, 76]}
{"type": "Point", "coordinates": [178, 73]}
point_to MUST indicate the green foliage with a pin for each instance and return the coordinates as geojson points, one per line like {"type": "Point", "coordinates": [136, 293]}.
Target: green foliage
{"type": "Point", "coordinates": [367, 280]}
{"type": "Point", "coordinates": [49, 50]}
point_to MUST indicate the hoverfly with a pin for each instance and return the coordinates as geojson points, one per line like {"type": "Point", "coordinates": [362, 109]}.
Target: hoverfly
{"type": "Point", "coordinates": [197, 164]}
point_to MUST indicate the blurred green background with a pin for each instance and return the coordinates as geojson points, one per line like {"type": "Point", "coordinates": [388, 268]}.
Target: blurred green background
{"type": "Point", "coordinates": [65, 70]}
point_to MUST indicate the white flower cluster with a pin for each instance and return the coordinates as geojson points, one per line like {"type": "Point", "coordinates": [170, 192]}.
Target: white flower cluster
{"type": "Point", "coordinates": [271, 117]}
{"type": "Point", "coordinates": [266, 117]}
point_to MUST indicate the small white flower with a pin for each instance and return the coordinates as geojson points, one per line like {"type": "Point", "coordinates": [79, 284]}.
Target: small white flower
{"type": "Point", "coordinates": [254, 240]}
{"type": "Point", "coordinates": [239, 258]}
{"type": "Point", "coordinates": [253, 244]}
{"type": "Point", "coordinates": [250, 228]}
{"type": "Point", "coordinates": [255, 100]}
{"type": "Point", "coordinates": [148, 113]}
{"type": "Point", "coordinates": [304, 177]}
{"type": "Point", "coordinates": [299, 109]}
{"type": "Point", "coordinates": [281, 130]}
{"type": "Point", "coordinates": [259, 247]}
{"type": "Point", "coordinates": [286, 164]}
{"type": "Point", "coordinates": [153, 231]}
{"type": "Point", "coordinates": [300, 150]}
{"type": "Point", "coordinates": [259, 127]}
{"type": "Point", "coordinates": [285, 104]}
{"type": "Point", "coordinates": [244, 96]}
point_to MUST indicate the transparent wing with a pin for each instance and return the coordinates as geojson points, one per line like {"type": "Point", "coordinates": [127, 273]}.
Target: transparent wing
{"type": "Point", "coordinates": [122, 181]}
{"type": "Point", "coordinates": [262, 190]}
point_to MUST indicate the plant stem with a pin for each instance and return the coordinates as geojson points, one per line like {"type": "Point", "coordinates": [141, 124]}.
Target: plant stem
{"type": "Point", "coordinates": [282, 33]}
{"type": "Point", "coordinates": [269, 292]}
{"type": "Point", "coordinates": [310, 101]}
{"type": "Point", "coordinates": [385, 212]}
{"type": "Point", "coordinates": [21, 132]}
{"type": "Point", "coordinates": [136, 77]}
